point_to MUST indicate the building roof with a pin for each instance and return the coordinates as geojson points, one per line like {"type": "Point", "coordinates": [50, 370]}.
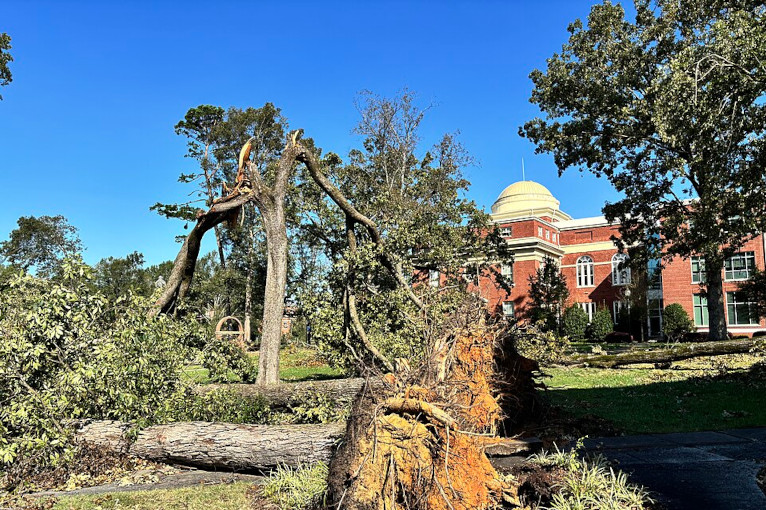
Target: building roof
{"type": "Point", "coordinates": [527, 198]}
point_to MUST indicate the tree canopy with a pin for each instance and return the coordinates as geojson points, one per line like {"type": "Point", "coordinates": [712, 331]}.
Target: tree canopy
{"type": "Point", "coordinates": [41, 243]}
{"type": "Point", "coordinates": [671, 108]}
{"type": "Point", "coordinates": [5, 58]}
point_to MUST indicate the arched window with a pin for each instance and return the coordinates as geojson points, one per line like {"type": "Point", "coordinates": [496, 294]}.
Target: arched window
{"type": "Point", "coordinates": [620, 269]}
{"type": "Point", "coordinates": [585, 271]}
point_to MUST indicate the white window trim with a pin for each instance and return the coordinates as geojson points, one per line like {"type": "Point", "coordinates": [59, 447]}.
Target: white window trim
{"type": "Point", "coordinates": [750, 306]}
{"type": "Point", "coordinates": [512, 307]}
{"type": "Point", "coordinates": [702, 273]}
{"type": "Point", "coordinates": [617, 259]}
{"type": "Point", "coordinates": [589, 276]}
{"type": "Point", "coordinates": [590, 309]}
{"type": "Point", "coordinates": [748, 268]}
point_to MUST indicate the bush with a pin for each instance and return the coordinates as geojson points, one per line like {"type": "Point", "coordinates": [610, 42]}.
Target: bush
{"type": "Point", "coordinates": [66, 354]}
{"type": "Point", "coordinates": [221, 355]}
{"type": "Point", "coordinates": [694, 337]}
{"type": "Point", "coordinates": [676, 322]}
{"type": "Point", "coordinates": [600, 326]}
{"type": "Point", "coordinates": [759, 334]}
{"type": "Point", "coordinates": [574, 322]}
{"type": "Point", "coordinates": [541, 345]}
{"type": "Point", "coordinates": [294, 489]}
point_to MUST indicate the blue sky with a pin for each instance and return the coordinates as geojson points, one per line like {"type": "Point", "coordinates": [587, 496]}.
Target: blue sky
{"type": "Point", "coordinates": [86, 127]}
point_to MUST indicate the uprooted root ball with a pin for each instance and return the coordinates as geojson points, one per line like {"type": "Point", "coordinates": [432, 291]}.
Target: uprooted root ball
{"type": "Point", "coordinates": [419, 443]}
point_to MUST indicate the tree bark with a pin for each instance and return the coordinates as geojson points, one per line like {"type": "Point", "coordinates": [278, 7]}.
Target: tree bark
{"type": "Point", "coordinates": [181, 276]}
{"type": "Point", "coordinates": [225, 446]}
{"type": "Point", "coordinates": [340, 391]}
{"type": "Point", "coordinates": [715, 304]}
{"type": "Point", "coordinates": [274, 297]}
{"type": "Point", "coordinates": [675, 353]}
{"type": "Point", "coordinates": [221, 445]}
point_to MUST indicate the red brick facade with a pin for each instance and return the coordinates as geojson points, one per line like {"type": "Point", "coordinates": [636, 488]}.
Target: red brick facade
{"type": "Point", "coordinates": [537, 229]}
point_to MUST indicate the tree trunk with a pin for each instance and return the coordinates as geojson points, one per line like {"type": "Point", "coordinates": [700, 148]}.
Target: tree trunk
{"type": "Point", "coordinates": [274, 297]}
{"type": "Point", "coordinates": [186, 261]}
{"type": "Point", "coordinates": [675, 353]}
{"type": "Point", "coordinates": [245, 447]}
{"type": "Point", "coordinates": [715, 305]}
{"type": "Point", "coordinates": [340, 391]}
{"type": "Point", "coordinates": [249, 288]}
{"type": "Point", "coordinates": [220, 445]}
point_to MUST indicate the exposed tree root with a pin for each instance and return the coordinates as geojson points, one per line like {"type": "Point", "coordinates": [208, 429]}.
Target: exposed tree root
{"type": "Point", "coordinates": [420, 442]}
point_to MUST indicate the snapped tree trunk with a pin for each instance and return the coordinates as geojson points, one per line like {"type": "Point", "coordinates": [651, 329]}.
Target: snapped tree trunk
{"type": "Point", "coordinates": [675, 353]}
{"type": "Point", "coordinates": [715, 305]}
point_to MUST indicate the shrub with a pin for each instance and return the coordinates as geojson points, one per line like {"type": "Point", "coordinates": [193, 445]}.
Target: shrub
{"type": "Point", "coordinates": [600, 326]}
{"type": "Point", "coordinates": [759, 334]}
{"type": "Point", "coordinates": [574, 322]}
{"type": "Point", "coordinates": [541, 345]}
{"type": "Point", "coordinates": [676, 322]}
{"type": "Point", "coordinates": [294, 489]}
{"type": "Point", "coordinates": [591, 484]}
{"type": "Point", "coordinates": [67, 353]}
{"type": "Point", "coordinates": [221, 355]}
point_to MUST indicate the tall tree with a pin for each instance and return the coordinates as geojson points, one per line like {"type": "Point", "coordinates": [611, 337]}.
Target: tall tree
{"type": "Point", "coordinates": [671, 108]}
{"type": "Point", "coordinates": [5, 58]}
{"type": "Point", "coordinates": [402, 211]}
{"type": "Point", "coordinates": [199, 127]}
{"type": "Point", "coordinates": [548, 292]}
{"type": "Point", "coordinates": [41, 243]}
{"type": "Point", "coordinates": [114, 276]}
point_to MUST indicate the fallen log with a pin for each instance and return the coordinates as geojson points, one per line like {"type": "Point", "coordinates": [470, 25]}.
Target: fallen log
{"type": "Point", "coordinates": [220, 445]}
{"type": "Point", "coordinates": [225, 446]}
{"type": "Point", "coordinates": [340, 391]}
{"type": "Point", "coordinates": [675, 353]}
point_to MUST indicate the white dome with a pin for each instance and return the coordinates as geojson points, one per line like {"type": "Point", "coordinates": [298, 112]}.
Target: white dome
{"type": "Point", "coordinates": [527, 198]}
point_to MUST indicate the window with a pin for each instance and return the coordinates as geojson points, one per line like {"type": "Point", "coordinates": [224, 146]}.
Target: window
{"type": "Point", "coordinates": [590, 309]}
{"type": "Point", "coordinates": [739, 266]}
{"type": "Point", "coordinates": [620, 269]}
{"type": "Point", "coordinates": [548, 235]}
{"type": "Point", "coordinates": [553, 238]}
{"type": "Point", "coordinates": [506, 231]}
{"type": "Point", "coordinates": [585, 271]}
{"type": "Point", "coordinates": [540, 231]}
{"type": "Point", "coordinates": [698, 270]}
{"type": "Point", "coordinates": [620, 308]}
{"type": "Point", "coordinates": [700, 310]}
{"type": "Point", "coordinates": [508, 309]}
{"type": "Point", "coordinates": [739, 312]}
{"type": "Point", "coordinates": [469, 273]}
{"type": "Point", "coordinates": [433, 278]}
{"type": "Point", "coordinates": [507, 271]}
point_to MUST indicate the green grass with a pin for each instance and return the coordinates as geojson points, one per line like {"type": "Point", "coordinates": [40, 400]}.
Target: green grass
{"type": "Point", "coordinates": [221, 497]}
{"type": "Point", "coordinates": [695, 396]}
{"type": "Point", "coordinates": [295, 364]}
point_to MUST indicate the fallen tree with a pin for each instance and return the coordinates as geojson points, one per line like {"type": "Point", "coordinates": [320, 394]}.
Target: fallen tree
{"type": "Point", "coordinates": [674, 353]}
{"type": "Point", "coordinates": [224, 446]}
{"type": "Point", "coordinates": [340, 391]}
{"type": "Point", "coordinates": [219, 445]}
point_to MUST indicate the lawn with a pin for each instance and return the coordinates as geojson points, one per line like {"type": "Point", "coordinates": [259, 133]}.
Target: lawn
{"type": "Point", "coordinates": [701, 394]}
{"type": "Point", "coordinates": [295, 364]}
{"type": "Point", "coordinates": [204, 497]}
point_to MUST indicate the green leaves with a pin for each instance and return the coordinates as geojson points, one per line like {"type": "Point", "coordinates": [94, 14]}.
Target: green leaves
{"type": "Point", "coordinates": [66, 354]}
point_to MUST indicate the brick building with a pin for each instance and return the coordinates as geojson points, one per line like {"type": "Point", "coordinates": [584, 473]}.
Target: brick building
{"type": "Point", "coordinates": [530, 219]}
